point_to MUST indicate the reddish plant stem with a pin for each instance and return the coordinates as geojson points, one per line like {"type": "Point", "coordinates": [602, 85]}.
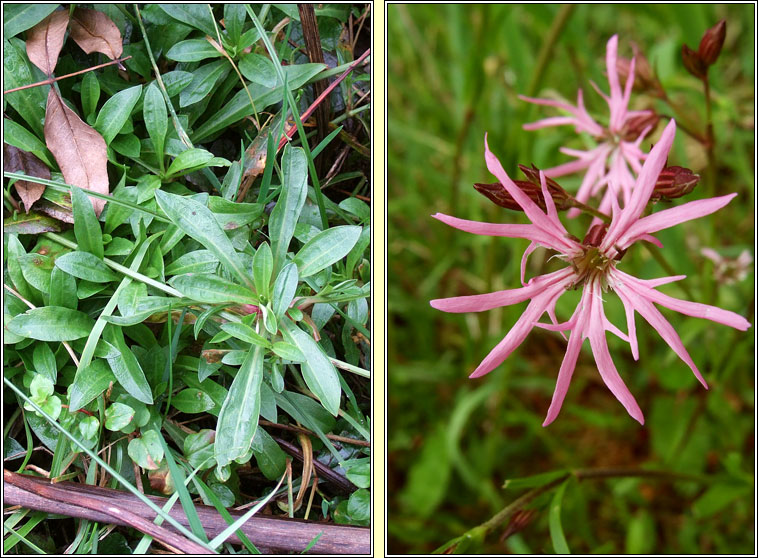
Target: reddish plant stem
{"type": "Point", "coordinates": [320, 98]}
{"type": "Point", "coordinates": [50, 81]}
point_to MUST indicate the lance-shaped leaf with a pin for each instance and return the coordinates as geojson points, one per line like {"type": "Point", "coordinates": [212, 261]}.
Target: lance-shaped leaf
{"type": "Point", "coordinates": [212, 289]}
{"type": "Point", "coordinates": [116, 111]}
{"type": "Point", "coordinates": [89, 237]}
{"type": "Point", "coordinates": [45, 40]}
{"type": "Point", "coordinates": [20, 17]}
{"type": "Point", "coordinates": [79, 150]}
{"type": "Point", "coordinates": [318, 371]}
{"type": "Point", "coordinates": [126, 367]}
{"type": "Point", "coordinates": [156, 118]}
{"type": "Point", "coordinates": [51, 323]}
{"type": "Point", "coordinates": [326, 248]}
{"type": "Point", "coordinates": [284, 217]}
{"type": "Point", "coordinates": [94, 31]}
{"type": "Point", "coordinates": [18, 160]}
{"type": "Point", "coordinates": [197, 221]}
{"type": "Point", "coordinates": [238, 418]}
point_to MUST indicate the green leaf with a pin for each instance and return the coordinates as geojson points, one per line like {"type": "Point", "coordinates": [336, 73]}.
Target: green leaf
{"type": "Point", "coordinates": [318, 372]}
{"type": "Point", "coordinates": [198, 449]}
{"type": "Point", "coordinates": [127, 144]}
{"type": "Point", "coordinates": [192, 401]}
{"type": "Point", "coordinates": [18, 136]}
{"type": "Point", "coordinates": [360, 474]}
{"type": "Point", "coordinates": [198, 222]}
{"type": "Point", "coordinates": [192, 50]}
{"type": "Point", "coordinates": [203, 82]}
{"type": "Point", "coordinates": [535, 481]}
{"type": "Point", "coordinates": [51, 323]}
{"type": "Point", "coordinates": [245, 333]}
{"type": "Point", "coordinates": [194, 15]}
{"type": "Point", "coordinates": [17, 71]}
{"type": "Point", "coordinates": [285, 287]}
{"type": "Point", "coordinates": [118, 416]}
{"type": "Point", "coordinates": [20, 17]}
{"type": "Point", "coordinates": [84, 265]}
{"type": "Point", "coordinates": [90, 93]}
{"type": "Point", "coordinates": [30, 223]}
{"type": "Point", "coordinates": [231, 215]}
{"type": "Point", "coordinates": [238, 418]}
{"type": "Point", "coordinates": [116, 112]}
{"type": "Point", "coordinates": [126, 367]}
{"type": "Point", "coordinates": [359, 505]}
{"type": "Point", "coordinates": [89, 383]}
{"type": "Point", "coordinates": [197, 261]}
{"type": "Point", "coordinates": [89, 427]}
{"type": "Point", "coordinates": [718, 497]}
{"type": "Point", "coordinates": [62, 289]}
{"type": "Point", "coordinates": [89, 237]}
{"type": "Point", "coordinates": [640, 534]}
{"type": "Point", "coordinates": [556, 527]}
{"type": "Point", "coordinates": [263, 268]}
{"type": "Point", "coordinates": [193, 159]}
{"type": "Point", "coordinates": [146, 451]}
{"type": "Point", "coordinates": [284, 217]}
{"type": "Point", "coordinates": [258, 69]}
{"type": "Point", "coordinates": [36, 269]}
{"type": "Point", "coordinates": [270, 458]}
{"type": "Point", "coordinates": [156, 118]}
{"type": "Point", "coordinates": [44, 361]}
{"type": "Point", "coordinates": [288, 352]}
{"type": "Point", "coordinates": [234, 19]}
{"type": "Point", "coordinates": [325, 248]}
{"type": "Point", "coordinates": [212, 289]}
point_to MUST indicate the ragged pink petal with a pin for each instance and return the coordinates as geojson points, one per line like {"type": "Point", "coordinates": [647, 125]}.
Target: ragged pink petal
{"type": "Point", "coordinates": [488, 301]}
{"type": "Point", "coordinates": [651, 314]}
{"type": "Point", "coordinates": [599, 345]}
{"type": "Point", "coordinates": [673, 216]}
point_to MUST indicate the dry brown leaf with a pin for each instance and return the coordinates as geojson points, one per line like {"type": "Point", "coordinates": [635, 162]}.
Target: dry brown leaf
{"type": "Point", "coordinates": [17, 160]}
{"type": "Point", "coordinates": [94, 31]}
{"type": "Point", "coordinates": [45, 40]}
{"type": "Point", "coordinates": [79, 150]}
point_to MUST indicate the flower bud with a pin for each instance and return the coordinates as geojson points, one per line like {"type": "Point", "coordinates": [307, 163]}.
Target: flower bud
{"type": "Point", "coordinates": [595, 235]}
{"type": "Point", "coordinates": [636, 125]}
{"type": "Point", "coordinates": [711, 43]}
{"type": "Point", "coordinates": [645, 79]}
{"type": "Point", "coordinates": [674, 182]}
{"type": "Point", "coordinates": [497, 193]}
{"type": "Point", "coordinates": [693, 62]}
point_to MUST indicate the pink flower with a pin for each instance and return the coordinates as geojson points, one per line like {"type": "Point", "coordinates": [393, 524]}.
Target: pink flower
{"type": "Point", "coordinates": [593, 265]}
{"type": "Point", "coordinates": [618, 149]}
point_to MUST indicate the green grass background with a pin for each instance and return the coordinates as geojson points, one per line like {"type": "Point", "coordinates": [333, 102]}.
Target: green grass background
{"type": "Point", "coordinates": [454, 74]}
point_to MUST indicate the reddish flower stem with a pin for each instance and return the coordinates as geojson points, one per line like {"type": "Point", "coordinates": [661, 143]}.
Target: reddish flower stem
{"type": "Point", "coordinates": [52, 80]}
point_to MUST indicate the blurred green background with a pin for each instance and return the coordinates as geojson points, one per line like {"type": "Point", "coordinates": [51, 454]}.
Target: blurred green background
{"type": "Point", "coordinates": [454, 74]}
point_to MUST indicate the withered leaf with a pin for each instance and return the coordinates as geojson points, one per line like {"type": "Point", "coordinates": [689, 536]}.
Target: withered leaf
{"type": "Point", "coordinates": [79, 150]}
{"type": "Point", "coordinates": [16, 160]}
{"type": "Point", "coordinates": [45, 40]}
{"type": "Point", "coordinates": [31, 223]}
{"type": "Point", "coordinates": [94, 31]}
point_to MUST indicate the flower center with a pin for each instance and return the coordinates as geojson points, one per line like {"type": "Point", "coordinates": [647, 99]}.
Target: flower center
{"type": "Point", "coordinates": [591, 264]}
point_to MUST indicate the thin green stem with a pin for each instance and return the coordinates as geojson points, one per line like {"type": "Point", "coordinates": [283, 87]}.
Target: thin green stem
{"type": "Point", "coordinates": [710, 137]}
{"type": "Point", "coordinates": [179, 129]}
{"type": "Point", "coordinates": [10, 422]}
{"type": "Point", "coordinates": [296, 115]}
{"type": "Point", "coordinates": [63, 187]}
{"type": "Point", "coordinates": [350, 368]}
{"type": "Point", "coordinates": [120, 268]}
{"type": "Point", "coordinates": [667, 267]}
{"type": "Point", "coordinates": [548, 45]}
{"type": "Point", "coordinates": [589, 209]}
{"type": "Point", "coordinates": [499, 519]}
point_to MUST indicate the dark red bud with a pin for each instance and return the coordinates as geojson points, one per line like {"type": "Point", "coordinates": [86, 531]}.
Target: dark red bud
{"type": "Point", "coordinates": [595, 235]}
{"type": "Point", "coordinates": [645, 79]}
{"type": "Point", "coordinates": [636, 125]}
{"type": "Point", "coordinates": [674, 182]}
{"type": "Point", "coordinates": [711, 43]}
{"type": "Point", "coordinates": [497, 193]}
{"type": "Point", "coordinates": [693, 63]}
